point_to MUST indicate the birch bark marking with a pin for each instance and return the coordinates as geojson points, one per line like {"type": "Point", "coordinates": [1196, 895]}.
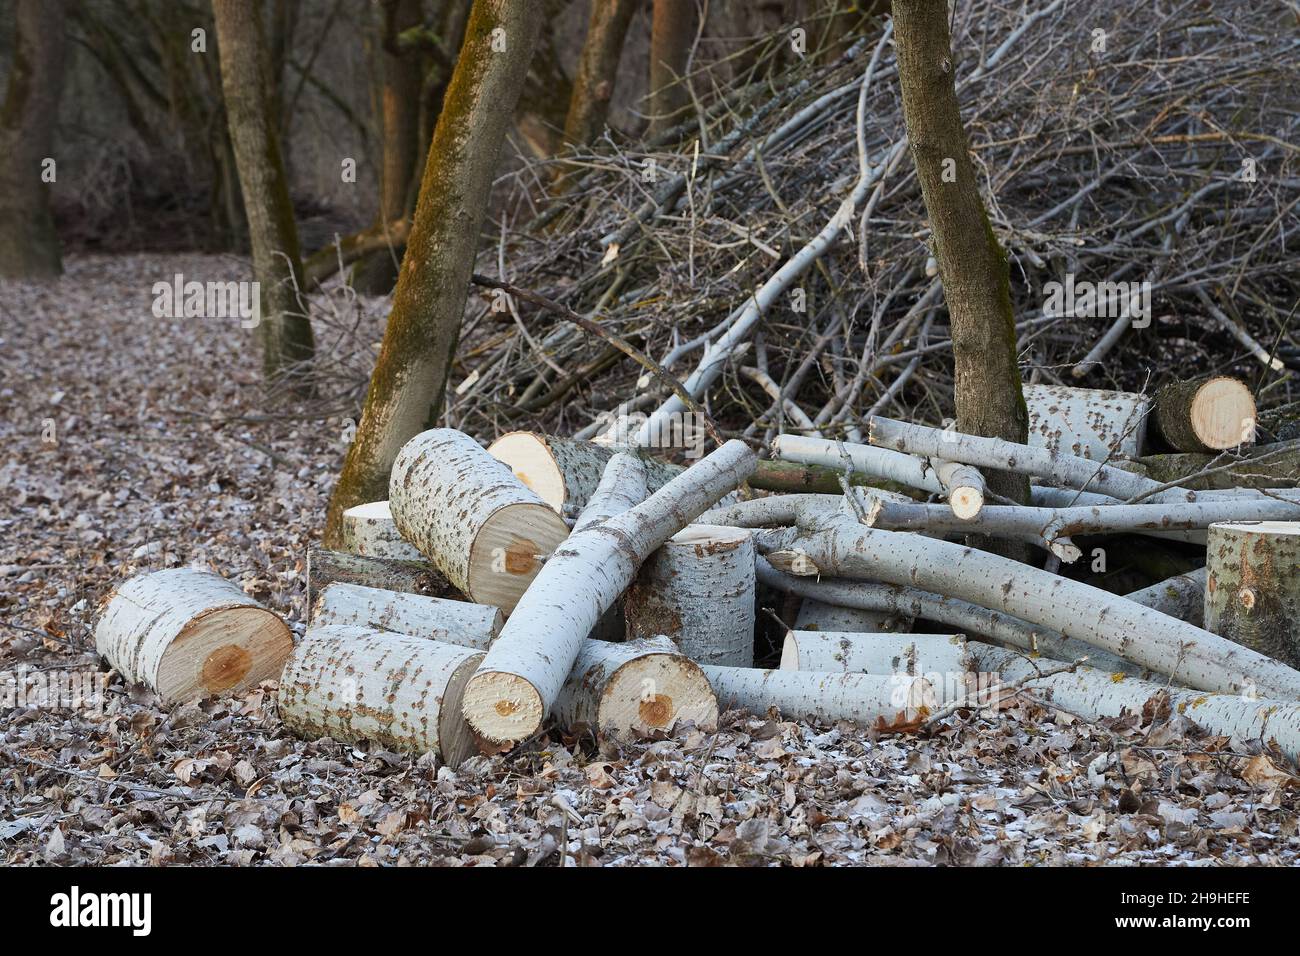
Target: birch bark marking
{"type": "Point", "coordinates": [189, 634]}
{"type": "Point", "coordinates": [520, 678]}
{"type": "Point", "coordinates": [436, 619]}
{"type": "Point", "coordinates": [357, 683]}
{"type": "Point", "coordinates": [698, 589]}
{"type": "Point", "coordinates": [870, 699]}
{"type": "Point", "coordinates": [816, 616]}
{"type": "Point", "coordinates": [467, 512]}
{"type": "Point", "coordinates": [1088, 423]}
{"type": "Point", "coordinates": [1252, 590]}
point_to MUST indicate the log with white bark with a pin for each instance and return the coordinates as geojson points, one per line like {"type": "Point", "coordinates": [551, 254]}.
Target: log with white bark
{"type": "Point", "coordinates": [188, 634]}
{"type": "Point", "coordinates": [635, 688]}
{"type": "Point", "coordinates": [1252, 588]}
{"type": "Point", "coordinates": [326, 567]}
{"type": "Point", "coordinates": [942, 659]}
{"type": "Point", "coordinates": [521, 676]}
{"type": "Point", "coordinates": [1093, 695]}
{"type": "Point", "coordinates": [369, 530]}
{"type": "Point", "coordinates": [358, 683]}
{"type": "Point", "coordinates": [846, 456]}
{"type": "Point", "coordinates": [836, 545]}
{"type": "Point", "coordinates": [1182, 596]}
{"type": "Point", "coordinates": [471, 516]}
{"type": "Point", "coordinates": [622, 486]}
{"type": "Point", "coordinates": [904, 601]}
{"type": "Point", "coordinates": [1088, 423]}
{"type": "Point", "coordinates": [815, 615]}
{"type": "Point", "coordinates": [437, 619]}
{"type": "Point", "coordinates": [1207, 414]}
{"type": "Point", "coordinates": [564, 472]}
{"type": "Point", "coordinates": [698, 590]}
{"type": "Point", "coordinates": [964, 487]}
{"type": "Point", "coordinates": [894, 701]}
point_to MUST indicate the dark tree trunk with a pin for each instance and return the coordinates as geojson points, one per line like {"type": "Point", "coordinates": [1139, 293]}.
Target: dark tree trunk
{"type": "Point", "coordinates": [672, 33]}
{"type": "Point", "coordinates": [29, 247]}
{"type": "Point", "coordinates": [410, 377]}
{"type": "Point", "coordinates": [285, 329]}
{"type": "Point", "coordinates": [597, 69]}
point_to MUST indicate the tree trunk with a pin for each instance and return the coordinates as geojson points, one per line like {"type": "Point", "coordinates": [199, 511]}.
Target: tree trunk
{"type": "Point", "coordinates": [190, 634]}
{"type": "Point", "coordinates": [29, 247]}
{"type": "Point", "coordinates": [874, 700]}
{"type": "Point", "coordinates": [1087, 422]}
{"type": "Point", "coordinates": [672, 33]}
{"type": "Point", "coordinates": [1252, 591]}
{"type": "Point", "coordinates": [972, 265]}
{"type": "Point", "coordinates": [410, 376]}
{"type": "Point", "coordinates": [1266, 466]}
{"type": "Point", "coordinates": [285, 329]}
{"type": "Point", "coordinates": [412, 577]}
{"type": "Point", "coordinates": [436, 619]}
{"type": "Point", "coordinates": [522, 674]}
{"type": "Point", "coordinates": [1206, 415]}
{"type": "Point", "coordinates": [698, 590]}
{"type": "Point", "coordinates": [597, 70]}
{"type": "Point", "coordinates": [356, 683]}
{"type": "Point", "coordinates": [466, 511]}
{"type": "Point", "coordinates": [370, 531]}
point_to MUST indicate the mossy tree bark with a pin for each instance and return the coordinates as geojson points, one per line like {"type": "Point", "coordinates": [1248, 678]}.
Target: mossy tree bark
{"type": "Point", "coordinates": [672, 33]}
{"type": "Point", "coordinates": [29, 247]}
{"type": "Point", "coordinates": [247, 85]}
{"type": "Point", "coordinates": [410, 377]}
{"type": "Point", "coordinates": [597, 69]}
{"type": "Point", "coordinates": [972, 265]}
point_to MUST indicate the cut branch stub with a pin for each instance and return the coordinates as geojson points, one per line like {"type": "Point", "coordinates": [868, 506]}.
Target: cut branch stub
{"type": "Point", "coordinates": [468, 513]}
{"type": "Point", "coordinates": [358, 683]}
{"type": "Point", "coordinates": [634, 689]}
{"type": "Point", "coordinates": [189, 634]}
{"type": "Point", "coordinates": [437, 619]}
{"type": "Point", "coordinates": [1252, 588]}
{"type": "Point", "coordinates": [1208, 414]}
{"type": "Point", "coordinates": [369, 530]}
{"type": "Point", "coordinates": [698, 590]}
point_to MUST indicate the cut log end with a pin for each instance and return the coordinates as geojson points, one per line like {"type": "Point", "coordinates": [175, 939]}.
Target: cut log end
{"type": "Point", "coordinates": [509, 550]}
{"type": "Point", "coordinates": [966, 502]}
{"type": "Point", "coordinates": [226, 650]}
{"type": "Point", "coordinates": [656, 692]}
{"type": "Point", "coordinates": [1222, 413]}
{"type": "Point", "coordinates": [502, 708]}
{"type": "Point", "coordinates": [533, 463]}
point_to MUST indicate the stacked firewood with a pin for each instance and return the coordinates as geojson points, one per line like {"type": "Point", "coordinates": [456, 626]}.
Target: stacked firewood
{"type": "Point", "coordinates": [599, 587]}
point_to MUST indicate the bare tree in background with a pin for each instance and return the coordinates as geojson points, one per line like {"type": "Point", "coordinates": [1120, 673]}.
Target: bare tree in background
{"type": "Point", "coordinates": [972, 265]}
{"type": "Point", "coordinates": [273, 234]}
{"type": "Point", "coordinates": [29, 247]}
{"type": "Point", "coordinates": [672, 34]}
{"type": "Point", "coordinates": [597, 69]}
{"type": "Point", "coordinates": [410, 376]}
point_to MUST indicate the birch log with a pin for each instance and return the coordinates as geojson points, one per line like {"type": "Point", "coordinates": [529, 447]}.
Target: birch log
{"type": "Point", "coordinates": [369, 530]}
{"type": "Point", "coordinates": [359, 683]}
{"type": "Point", "coordinates": [564, 472]}
{"type": "Point", "coordinates": [839, 546]}
{"type": "Point", "coordinates": [698, 590]}
{"type": "Point", "coordinates": [520, 678]}
{"type": "Point", "coordinates": [634, 689]}
{"type": "Point", "coordinates": [942, 659]}
{"type": "Point", "coordinates": [622, 486]}
{"type": "Point", "coordinates": [885, 702]}
{"type": "Point", "coordinates": [436, 619]}
{"type": "Point", "coordinates": [1207, 414]}
{"type": "Point", "coordinates": [1093, 694]}
{"type": "Point", "coordinates": [1252, 588]}
{"type": "Point", "coordinates": [964, 487]}
{"type": "Point", "coordinates": [845, 456]}
{"type": "Point", "coordinates": [1088, 423]}
{"type": "Point", "coordinates": [815, 615]}
{"type": "Point", "coordinates": [471, 516]}
{"type": "Point", "coordinates": [188, 634]}
{"type": "Point", "coordinates": [325, 567]}
{"type": "Point", "coordinates": [1182, 596]}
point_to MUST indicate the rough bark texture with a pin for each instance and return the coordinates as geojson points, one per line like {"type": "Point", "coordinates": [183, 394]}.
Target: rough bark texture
{"type": "Point", "coordinates": [634, 689]}
{"type": "Point", "coordinates": [1252, 590]}
{"type": "Point", "coordinates": [369, 530]}
{"type": "Point", "coordinates": [29, 247]}
{"type": "Point", "coordinates": [886, 702]}
{"type": "Point", "coordinates": [324, 567]}
{"type": "Point", "coordinates": [246, 84]}
{"type": "Point", "coordinates": [410, 376]}
{"type": "Point", "coordinates": [672, 33]}
{"type": "Point", "coordinates": [972, 265]}
{"type": "Point", "coordinates": [1267, 466]}
{"type": "Point", "coordinates": [436, 619]}
{"type": "Point", "coordinates": [814, 615]}
{"type": "Point", "coordinates": [1206, 414]}
{"type": "Point", "coordinates": [356, 683]}
{"type": "Point", "coordinates": [190, 634]}
{"type": "Point", "coordinates": [473, 519]}
{"type": "Point", "coordinates": [698, 590]}
{"type": "Point", "coordinates": [1087, 422]}
{"type": "Point", "coordinates": [1182, 596]}
{"type": "Point", "coordinates": [523, 672]}
{"type": "Point", "coordinates": [597, 69]}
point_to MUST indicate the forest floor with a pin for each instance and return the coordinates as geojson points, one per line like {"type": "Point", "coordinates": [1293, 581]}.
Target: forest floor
{"type": "Point", "coordinates": [135, 443]}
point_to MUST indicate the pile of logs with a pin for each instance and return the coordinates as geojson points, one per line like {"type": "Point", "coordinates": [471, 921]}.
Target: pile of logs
{"type": "Point", "coordinates": [599, 587]}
